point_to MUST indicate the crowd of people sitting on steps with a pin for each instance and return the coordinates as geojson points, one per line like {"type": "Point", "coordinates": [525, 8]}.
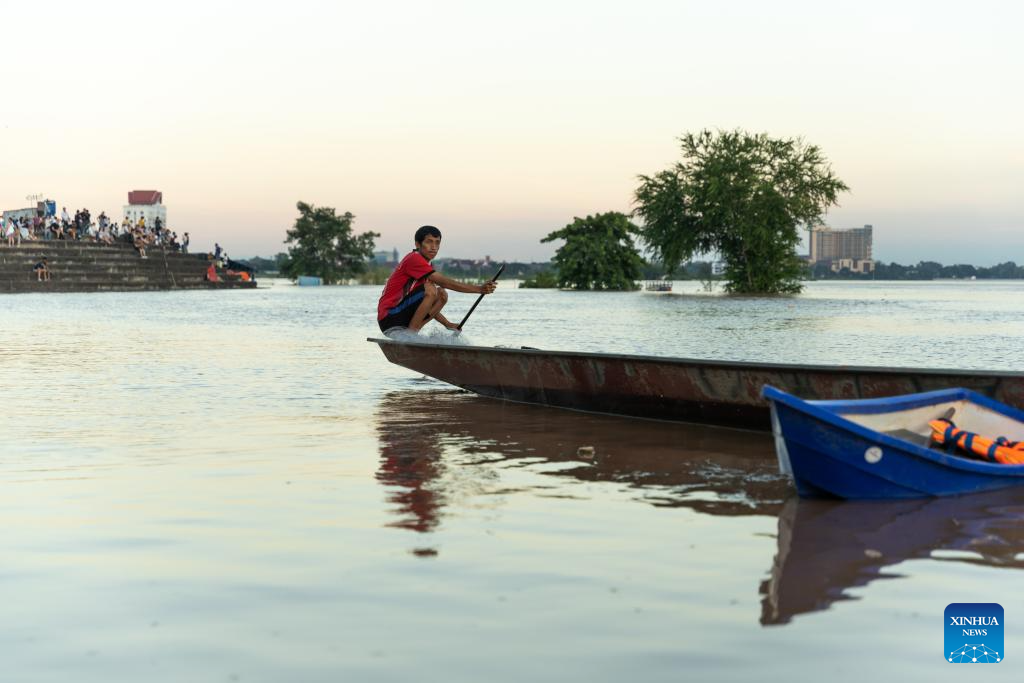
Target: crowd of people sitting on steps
{"type": "Point", "coordinates": [218, 259]}
{"type": "Point", "coordinates": [82, 227]}
{"type": "Point", "coordinates": [139, 234]}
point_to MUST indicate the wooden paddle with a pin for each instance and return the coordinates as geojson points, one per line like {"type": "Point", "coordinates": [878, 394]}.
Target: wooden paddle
{"type": "Point", "coordinates": [481, 297]}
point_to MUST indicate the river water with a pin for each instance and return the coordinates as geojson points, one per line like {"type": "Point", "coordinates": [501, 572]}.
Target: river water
{"type": "Point", "coordinates": [236, 486]}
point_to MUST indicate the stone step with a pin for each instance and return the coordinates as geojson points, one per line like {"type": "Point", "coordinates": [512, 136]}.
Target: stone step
{"type": "Point", "coordinates": [84, 247]}
{"type": "Point", "coordinates": [58, 267]}
{"type": "Point", "coordinates": [75, 254]}
{"type": "Point", "coordinates": [77, 264]}
{"type": "Point", "coordinates": [52, 247]}
{"type": "Point", "coordinates": [101, 259]}
{"type": "Point", "coordinates": [142, 267]}
{"type": "Point", "coordinates": [57, 286]}
{"type": "Point", "coordinates": [105, 262]}
{"type": "Point", "coordinates": [100, 277]}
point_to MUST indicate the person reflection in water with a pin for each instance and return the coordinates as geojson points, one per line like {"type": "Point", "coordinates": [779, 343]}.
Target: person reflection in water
{"type": "Point", "coordinates": [410, 465]}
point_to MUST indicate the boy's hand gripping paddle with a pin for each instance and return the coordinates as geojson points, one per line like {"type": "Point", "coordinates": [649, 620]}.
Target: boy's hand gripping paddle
{"type": "Point", "coordinates": [481, 297]}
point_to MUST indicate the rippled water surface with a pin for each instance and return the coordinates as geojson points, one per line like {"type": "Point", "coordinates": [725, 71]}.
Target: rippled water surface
{"type": "Point", "coordinates": [222, 486]}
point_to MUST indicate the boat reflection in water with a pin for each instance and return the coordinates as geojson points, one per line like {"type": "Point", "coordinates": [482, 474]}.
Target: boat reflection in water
{"type": "Point", "coordinates": [827, 547]}
{"type": "Point", "coordinates": [438, 446]}
{"type": "Point", "coordinates": [448, 450]}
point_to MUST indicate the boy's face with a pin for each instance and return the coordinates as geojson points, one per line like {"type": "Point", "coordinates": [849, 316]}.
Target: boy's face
{"type": "Point", "coordinates": [429, 247]}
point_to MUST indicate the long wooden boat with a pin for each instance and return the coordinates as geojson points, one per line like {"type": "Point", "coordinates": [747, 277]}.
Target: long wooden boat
{"type": "Point", "coordinates": [724, 393]}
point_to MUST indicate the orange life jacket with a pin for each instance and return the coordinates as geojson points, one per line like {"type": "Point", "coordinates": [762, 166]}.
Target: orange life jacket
{"type": "Point", "coordinates": [1001, 449]}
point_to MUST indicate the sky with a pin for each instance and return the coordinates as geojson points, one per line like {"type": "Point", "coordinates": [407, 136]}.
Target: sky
{"type": "Point", "coordinates": [501, 122]}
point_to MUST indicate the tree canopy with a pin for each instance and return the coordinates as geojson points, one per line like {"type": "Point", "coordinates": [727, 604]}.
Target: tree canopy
{"type": "Point", "coordinates": [598, 253]}
{"type": "Point", "coordinates": [742, 196]}
{"type": "Point", "coordinates": [326, 246]}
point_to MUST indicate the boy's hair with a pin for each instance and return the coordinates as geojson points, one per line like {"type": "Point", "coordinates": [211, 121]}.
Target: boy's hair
{"type": "Point", "coordinates": [422, 233]}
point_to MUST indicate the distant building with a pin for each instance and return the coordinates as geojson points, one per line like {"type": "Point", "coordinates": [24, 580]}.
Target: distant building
{"type": "Point", "coordinates": [18, 214]}
{"type": "Point", "coordinates": [831, 245]}
{"type": "Point", "coordinates": [47, 207]}
{"type": "Point", "coordinates": [854, 266]}
{"type": "Point", "coordinates": [148, 204]}
{"type": "Point", "coordinates": [849, 248]}
{"type": "Point", "coordinates": [718, 268]}
{"type": "Point", "coordinates": [383, 257]}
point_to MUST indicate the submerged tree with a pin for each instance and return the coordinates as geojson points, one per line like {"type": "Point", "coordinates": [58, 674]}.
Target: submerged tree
{"type": "Point", "coordinates": [325, 245]}
{"type": "Point", "coordinates": [598, 253]}
{"type": "Point", "coordinates": [743, 196]}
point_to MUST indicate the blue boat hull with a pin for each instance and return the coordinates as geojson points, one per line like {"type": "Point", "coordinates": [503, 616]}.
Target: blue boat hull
{"type": "Point", "coordinates": [828, 455]}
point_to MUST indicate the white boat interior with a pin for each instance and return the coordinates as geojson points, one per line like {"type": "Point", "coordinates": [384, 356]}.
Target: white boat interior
{"type": "Point", "coordinates": [966, 415]}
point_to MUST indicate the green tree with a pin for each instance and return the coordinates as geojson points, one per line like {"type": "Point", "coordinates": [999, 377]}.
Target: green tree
{"type": "Point", "coordinates": [1005, 271]}
{"type": "Point", "coordinates": [742, 196]}
{"type": "Point", "coordinates": [598, 253]}
{"type": "Point", "coordinates": [542, 280]}
{"type": "Point", "coordinates": [325, 246]}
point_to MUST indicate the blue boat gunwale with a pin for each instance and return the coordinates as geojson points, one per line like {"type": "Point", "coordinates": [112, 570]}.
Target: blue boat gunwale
{"type": "Point", "coordinates": [828, 412]}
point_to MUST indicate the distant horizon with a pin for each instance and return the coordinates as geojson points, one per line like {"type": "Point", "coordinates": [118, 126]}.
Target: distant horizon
{"type": "Point", "coordinates": [201, 242]}
{"type": "Point", "coordinates": [803, 255]}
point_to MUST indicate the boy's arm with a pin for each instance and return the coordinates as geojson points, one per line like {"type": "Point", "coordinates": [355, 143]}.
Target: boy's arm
{"type": "Point", "coordinates": [456, 286]}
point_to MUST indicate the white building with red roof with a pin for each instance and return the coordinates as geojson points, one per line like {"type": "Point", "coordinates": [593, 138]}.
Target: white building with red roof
{"type": "Point", "coordinates": [148, 204]}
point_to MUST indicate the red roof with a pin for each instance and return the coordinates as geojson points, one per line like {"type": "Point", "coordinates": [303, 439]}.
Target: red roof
{"type": "Point", "coordinates": [145, 197]}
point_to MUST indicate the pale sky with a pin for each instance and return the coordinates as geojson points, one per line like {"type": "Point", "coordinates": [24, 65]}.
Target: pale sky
{"type": "Point", "coordinates": [500, 122]}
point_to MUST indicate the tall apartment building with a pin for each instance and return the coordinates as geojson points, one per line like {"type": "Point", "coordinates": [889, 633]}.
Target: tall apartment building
{"type": "Point", "coordinates": [832, 245]}
{"type": "Point", "coordinates": [849, 248]}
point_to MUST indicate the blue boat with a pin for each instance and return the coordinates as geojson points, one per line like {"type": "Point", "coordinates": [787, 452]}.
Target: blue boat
{"type": "Point", "coordinates": [879, 448]}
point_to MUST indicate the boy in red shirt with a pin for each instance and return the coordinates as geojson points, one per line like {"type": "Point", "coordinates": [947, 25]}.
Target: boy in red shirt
{"type": "Point", "coordinates": [415, 292]}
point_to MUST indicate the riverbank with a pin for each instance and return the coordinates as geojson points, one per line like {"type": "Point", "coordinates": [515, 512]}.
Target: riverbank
{"type": "Point", "coordinates": [93, 267]}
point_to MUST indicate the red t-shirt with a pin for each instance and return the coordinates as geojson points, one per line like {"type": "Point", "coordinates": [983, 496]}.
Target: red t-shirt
{"type": "Point", "coordinates": [407, 279]}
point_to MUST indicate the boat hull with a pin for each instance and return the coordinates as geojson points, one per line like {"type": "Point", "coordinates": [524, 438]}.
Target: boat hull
{"type": "Point", "coordinates": [830, 455]}
{"type": "Point", "coordinates": [677, 389]}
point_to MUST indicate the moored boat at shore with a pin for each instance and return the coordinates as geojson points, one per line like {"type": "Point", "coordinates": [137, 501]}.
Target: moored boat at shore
{"type": "Point", "coordinates": [658, 286]}
{"type": "Point", "coordinates": [724, 393]}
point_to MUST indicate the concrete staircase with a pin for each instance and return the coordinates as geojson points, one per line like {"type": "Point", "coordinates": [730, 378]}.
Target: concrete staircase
{"type": "Point", "coordinates": [92, 267]}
